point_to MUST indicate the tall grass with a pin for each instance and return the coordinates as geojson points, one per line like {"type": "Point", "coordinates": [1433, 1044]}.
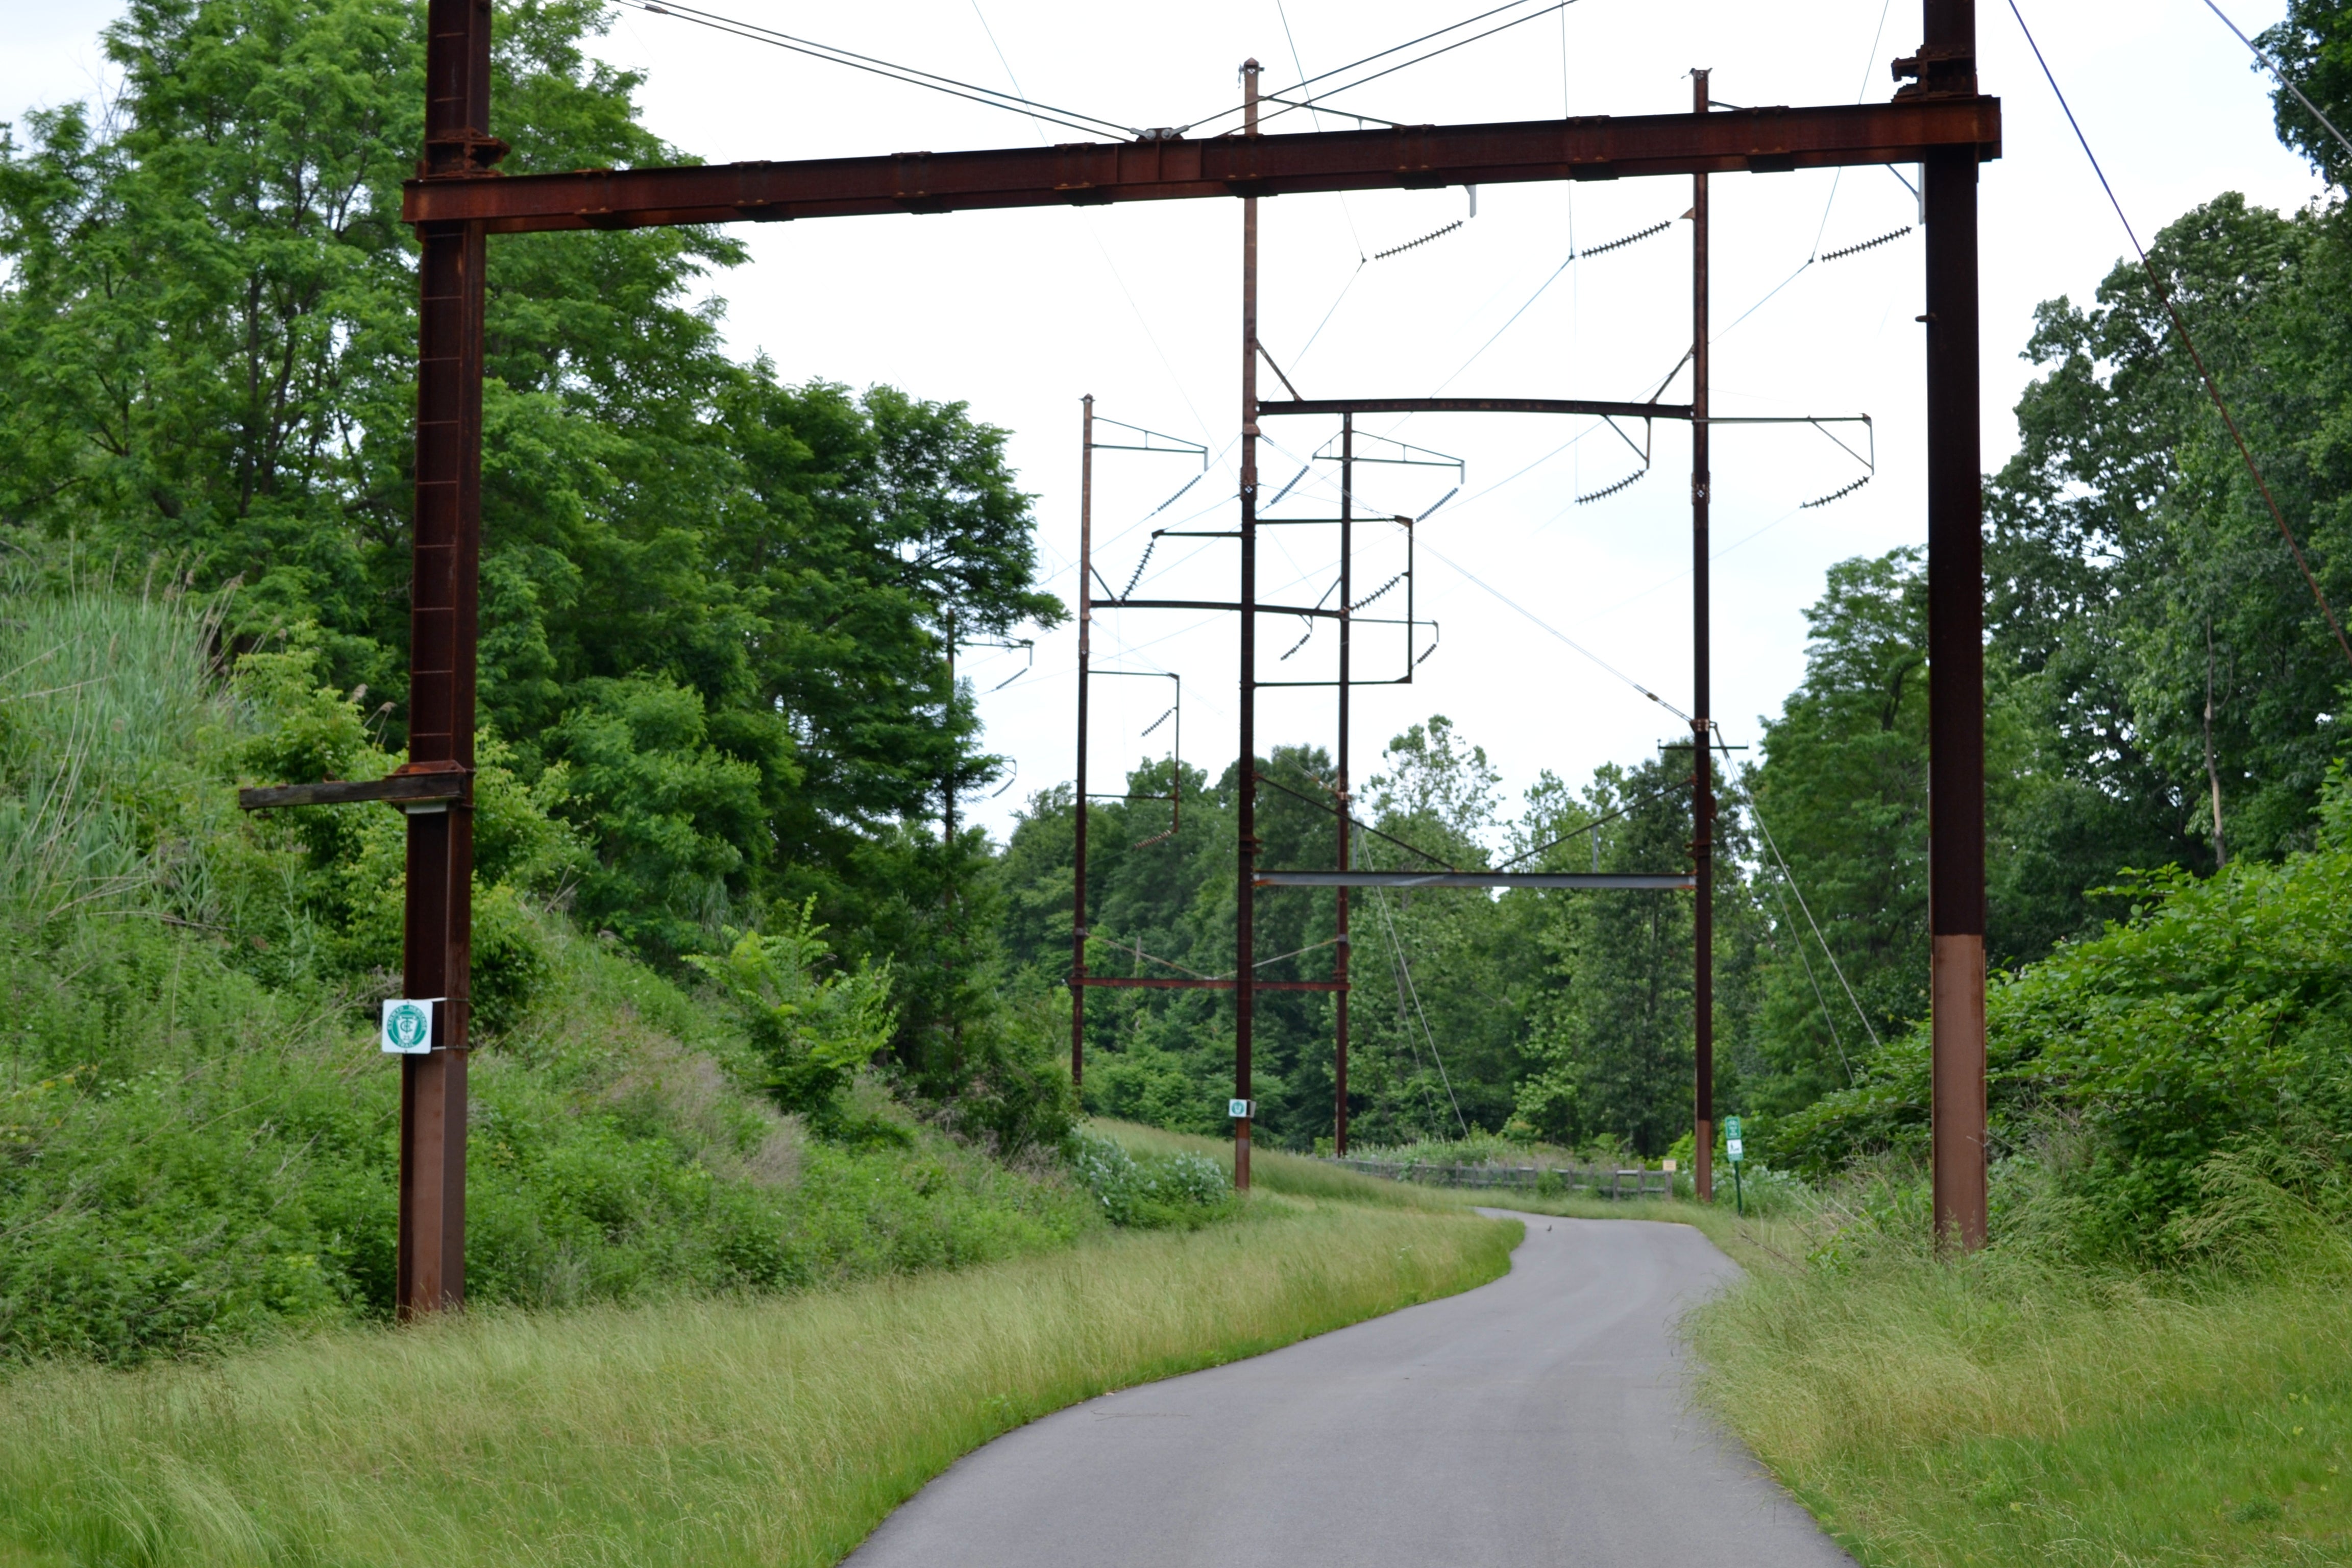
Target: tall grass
{"type": "Point", "coordinates": [104, 704]}
{"type": "Point", "coordinates": [2006, 1410]}
{"type": "Point", "coordinates": [717, 1432]}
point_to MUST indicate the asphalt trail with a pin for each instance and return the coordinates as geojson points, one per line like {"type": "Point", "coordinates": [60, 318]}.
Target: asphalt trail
{"type": "Point", "coordinates": [1542, 1421]}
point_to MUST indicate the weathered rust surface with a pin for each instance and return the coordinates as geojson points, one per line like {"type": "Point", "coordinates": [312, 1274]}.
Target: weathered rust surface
{"type": "Point", "coordinates": [396, 789]}
{"type": "Point", "coordinates": [1092, 173]}
{"type": "Point", "coordinates": [1584, 406]}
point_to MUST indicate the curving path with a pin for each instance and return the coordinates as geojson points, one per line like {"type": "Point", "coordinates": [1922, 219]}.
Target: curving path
{"type": "Point", "coordinates": [1540, 1420]}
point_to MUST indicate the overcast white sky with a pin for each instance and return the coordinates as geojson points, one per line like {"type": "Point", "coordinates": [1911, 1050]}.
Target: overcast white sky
{"type": "Point", "coordinates": [1021, 313]}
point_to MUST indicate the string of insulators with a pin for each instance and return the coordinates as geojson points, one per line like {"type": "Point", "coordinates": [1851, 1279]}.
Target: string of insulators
{"type": "Point", "coordinates": [1865, 245]}
{"type": "Point", "coordinates": [1424, 239]}
{"type": "Point", "coordinates": [1376, 593]}
{"type": "Point", "coordinates": [1620, 244]}
{"type": "Point", "coordinates": [1140, 565]}
{"type": "Point", "coordinates": [1836, 494]}
{"type": "Point", "coordinates": [1613, 489]}
{"type": "Point", "coordinates": [1302, 642]}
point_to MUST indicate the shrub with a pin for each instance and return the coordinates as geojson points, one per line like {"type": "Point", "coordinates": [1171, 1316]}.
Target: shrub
{"type": "Point", "coordinates": [1177, 1189]}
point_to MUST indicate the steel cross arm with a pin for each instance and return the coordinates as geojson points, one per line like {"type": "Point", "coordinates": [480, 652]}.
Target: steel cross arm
{"type": "Point", "coordinates": [1477, 406]}
{"type": "Point", "coordinates": [1606, 880]}
{"type": "Point", "coordinates": [1214, 605]}
{"type": "Point", "coordinates": [1416, 157]}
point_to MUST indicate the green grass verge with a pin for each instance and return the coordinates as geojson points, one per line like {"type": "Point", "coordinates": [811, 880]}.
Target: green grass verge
{"type": "Point", "coordinates": [711, 1432]}
{"type": "Point", "coordinates": [2000, 1412]}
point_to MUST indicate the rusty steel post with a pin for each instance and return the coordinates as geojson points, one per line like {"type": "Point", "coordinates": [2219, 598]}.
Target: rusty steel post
{"type": "Point", "coordinates": [1955, 797]}
{"type": "Point", "coordinates": [1347, 801]}
{"type": "Point", "coordinates": [437, 925]}
{"type": "Point", "coordinates": [1085, 648]}
{"type": "Point", "coordinates": [1246, 776]}
{"type": "Point", "coordinates": [1702, 693]}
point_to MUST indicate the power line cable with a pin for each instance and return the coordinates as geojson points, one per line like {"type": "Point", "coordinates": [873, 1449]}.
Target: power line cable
{"type": "Point", "coordinates": [1073, 119]}
{"type": "Point", "coordinates": [1405, 969]}
{"type": "Point", "coordinates": [1547, 626]}
{"type": "Point", "coordinates": [1289, 37]}
{"type": "Point", "coordinates": [2164, 296]}
{"type": "Point", "coordinates": [1781, 860]}
{"type": "Point", "coordinates": [1572, 255]}
{"type": "Point", "coordinates": [2277, 70]}
{"type": "Point", "coordinates": [1393, 48]}
{"type": "Point", "coordinates": [1417, 59]}
{"type": "Point", "coordinates": [1780, 891]}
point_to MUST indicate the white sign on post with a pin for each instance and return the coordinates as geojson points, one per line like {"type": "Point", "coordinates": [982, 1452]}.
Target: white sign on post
{"type": "Point", "coordinates": [1237, 1107]}
{"type": "Point", "coordinates": [408, 1024]}
{"type": "Point", "coordinates": [1731, 1148]}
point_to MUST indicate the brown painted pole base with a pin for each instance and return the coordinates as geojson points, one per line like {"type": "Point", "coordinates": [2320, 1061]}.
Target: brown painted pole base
{"type": "Point", "coordinates": [432, 1263]}
{"type": "Point", "coordinates": [1957, 1030]}
{"type": "Point", "coordinates": [1703, 1162]}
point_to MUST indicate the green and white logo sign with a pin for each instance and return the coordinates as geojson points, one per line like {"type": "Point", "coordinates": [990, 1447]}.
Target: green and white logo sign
{"type": "Point", "coordinates": [1237, 1107]}
{"type": "Point", "coordinates": [407, 1026]}
{"type": "Point", "coordinates": [1731, 1144]}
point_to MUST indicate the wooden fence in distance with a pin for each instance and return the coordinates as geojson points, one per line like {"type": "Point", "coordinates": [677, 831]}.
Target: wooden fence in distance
{"type": "Point", "coordinates": [1595, 1181]}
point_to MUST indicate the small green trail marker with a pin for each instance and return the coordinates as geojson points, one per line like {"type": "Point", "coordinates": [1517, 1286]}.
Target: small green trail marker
{"type": "Point", "coordinates": [408, 1026]}
{"type": "Point", "coordinates": [1731, 1151]}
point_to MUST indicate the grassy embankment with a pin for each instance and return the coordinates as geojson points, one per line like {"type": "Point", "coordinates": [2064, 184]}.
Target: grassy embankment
{"type": "Point", "coordinates": [2006, 1412]}
{"type": "Point", "coordinates": [713, 1432]}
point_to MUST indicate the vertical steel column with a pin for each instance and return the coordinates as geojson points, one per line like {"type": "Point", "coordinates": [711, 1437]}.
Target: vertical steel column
{"type": "Point", "coordinates": [1245, 775]}
{"type": "Point", "coordinates": [1956, 854]}
{"type": "Point", "coordinates": [947, 789]}
{"type": "Point", "coordinates": [1347, 801]}
{"type": "Point", "coordinates": [438, 927]}
{"type": "Point", "coordinates": [1703, 698]}
{"type": "Point", "coordinates": [1085, 647]}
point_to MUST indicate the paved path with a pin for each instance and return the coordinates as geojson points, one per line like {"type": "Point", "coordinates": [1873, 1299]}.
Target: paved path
{"type": "Point", "coordinates": [1540, 1420]}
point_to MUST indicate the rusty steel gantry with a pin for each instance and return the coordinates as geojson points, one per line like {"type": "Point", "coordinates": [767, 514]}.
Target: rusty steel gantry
{"type": "Point", "coordinates": [1939, 121]}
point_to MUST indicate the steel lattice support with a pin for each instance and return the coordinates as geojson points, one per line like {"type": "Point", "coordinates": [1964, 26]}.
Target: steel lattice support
{"type": "Point", "coordinates": [1956, 788]}
{"type": "Point", "coordinates": [439, 922]}
{"type": "Point", "coordinates": [1941, 121]}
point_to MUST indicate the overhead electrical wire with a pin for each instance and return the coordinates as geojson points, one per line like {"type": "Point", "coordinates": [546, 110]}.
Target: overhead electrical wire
{"type": "Point", "coordinates": [2277, 70]}
{"type": "Point", "coordinates": [1782, 861]}
{"type": "Point", "coordinates": [2164, 296]}
{"type": "Point", "coordinates": [1865, 245]}
{"type": "Point", "coordinates": [1394, 49]}
{"type": "Point", "coordinates": [1547, 626]}
{"type": "Point", "coordinates": [1572, 255]}
{"type": "Point", "coordinates": [1412, 244]}
{"type": "Point", "coordinates": [1405, 969]}
{"type": "Point", "coordinates": [911, 76]}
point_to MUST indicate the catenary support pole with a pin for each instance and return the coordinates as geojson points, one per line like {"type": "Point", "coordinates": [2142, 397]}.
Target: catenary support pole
{"type": "Point", "coordinates": [1702, 700]}
{"type": "Point", "coordinates": [1245, 772]}
{"type": "Point", "coordinates": [1347, 801]}
{"type": "Point", "coordinates": [1078, 805]}
{"type": "Point", "coordinates": [436, 958]}
{"type": "Point", "coordinates": [1956, 856]}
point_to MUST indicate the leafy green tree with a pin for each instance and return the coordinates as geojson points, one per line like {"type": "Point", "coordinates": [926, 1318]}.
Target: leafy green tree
{"type": "Point", "coordinates": [715, 609]}
{"type": "Point", "coordinates": [2315, 45]}
{"type": "Point", "coordinates": [1610, 1023]}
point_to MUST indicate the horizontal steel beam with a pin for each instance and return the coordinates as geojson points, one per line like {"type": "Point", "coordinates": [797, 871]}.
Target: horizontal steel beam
{"type": "Point", "coordinates": [395, 789]}
{"type": "Point", "coordinates": [1153, 983]}
{"type": "Point", "coordinates": [1232, 604]}
{"type": "Point", "coordinates": [1603, 880]}
{"type": "Point", "coordinates": [1478, 406]}
{"type": "Point", "coordinates": [1087, 173]}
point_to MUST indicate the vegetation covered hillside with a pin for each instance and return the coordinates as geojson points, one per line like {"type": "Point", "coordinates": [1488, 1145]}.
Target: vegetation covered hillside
{"type": "Point", "coordinates": [199, 1135]}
